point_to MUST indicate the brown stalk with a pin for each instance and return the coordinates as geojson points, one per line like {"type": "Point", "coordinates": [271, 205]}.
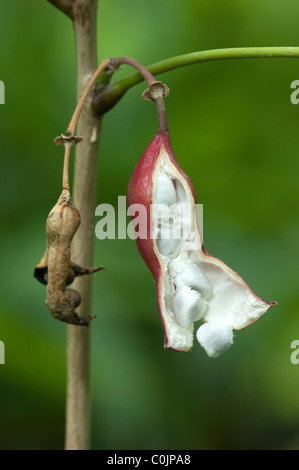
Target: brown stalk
{"type": "Point", "coordinates": [66, 6]}
{"type": "Point", "coordinates": [84, 192]}
{"type": "Point", "coordinates": [156, 91]}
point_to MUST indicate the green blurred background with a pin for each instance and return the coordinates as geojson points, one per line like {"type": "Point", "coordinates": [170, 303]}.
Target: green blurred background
{"type": "Point", "coordinates": [235, 133]}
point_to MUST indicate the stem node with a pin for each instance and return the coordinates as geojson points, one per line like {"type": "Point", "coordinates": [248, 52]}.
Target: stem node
{"type": "Point", "coordinates": [155, 90]}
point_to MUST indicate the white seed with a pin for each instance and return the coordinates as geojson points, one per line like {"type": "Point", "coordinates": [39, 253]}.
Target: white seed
{"type": "Point", "coordinates": [165, 190]}
{"type": "Point", "coordinates": [215, 338]}
{"type": "Point", "coordinates": [195, 278]}
{"type": "Point", "coordinates": [168, 247]}
{"type": "Point", "coordinates": [163, 214]}
{"type": "Point", "coordinates": [192, 276]}
{"type": "Point", "coordinates": [168, 242]}
{"type": "Point", "coordinates": [181, 192]}
{"type": "Point", "coordinates": [188, 306]}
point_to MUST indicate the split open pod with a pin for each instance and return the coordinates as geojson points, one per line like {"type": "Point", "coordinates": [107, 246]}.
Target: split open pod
{"type": "Point", "coordinates": [192, 285]}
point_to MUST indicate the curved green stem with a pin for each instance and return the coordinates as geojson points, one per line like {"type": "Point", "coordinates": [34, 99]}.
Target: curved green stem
{"type": "Point", "coordinates": [109, 96]}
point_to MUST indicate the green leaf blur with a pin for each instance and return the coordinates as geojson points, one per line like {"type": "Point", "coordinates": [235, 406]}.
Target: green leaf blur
{"type": "Point", "coordinates": [234, 131]}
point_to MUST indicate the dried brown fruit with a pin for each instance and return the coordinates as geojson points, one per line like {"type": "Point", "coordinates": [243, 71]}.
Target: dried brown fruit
{"type": "Point", "coordinates": [56, 269]}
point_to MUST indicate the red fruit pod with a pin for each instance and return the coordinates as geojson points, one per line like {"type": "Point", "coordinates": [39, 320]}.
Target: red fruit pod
{"type": "Point", "coordinates": [191, 284]}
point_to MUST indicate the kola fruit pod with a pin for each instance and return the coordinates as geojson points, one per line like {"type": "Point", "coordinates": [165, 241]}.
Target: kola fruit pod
{"type": "Point", "coordinates": [191, 284]}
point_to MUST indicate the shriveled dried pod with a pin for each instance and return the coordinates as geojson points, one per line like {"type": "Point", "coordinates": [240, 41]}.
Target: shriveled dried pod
{"type": "Point", "coordinates": [56, 269]}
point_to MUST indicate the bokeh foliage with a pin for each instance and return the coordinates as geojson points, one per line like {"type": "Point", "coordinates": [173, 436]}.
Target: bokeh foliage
{"type": "Point", "coordinates": [235, 133]}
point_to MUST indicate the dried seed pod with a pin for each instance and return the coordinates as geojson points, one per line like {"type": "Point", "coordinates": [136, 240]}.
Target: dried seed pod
{"type": "Point", "coordinates": [191, 284]}
{"type": "Point", "coordinates": [55, 268]}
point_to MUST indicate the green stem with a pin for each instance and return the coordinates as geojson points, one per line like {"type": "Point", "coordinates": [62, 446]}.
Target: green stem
{"type": "Point", "coordinates": [108, 97]}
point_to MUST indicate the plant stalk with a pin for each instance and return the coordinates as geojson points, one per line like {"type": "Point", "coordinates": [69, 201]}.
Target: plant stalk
{"type": "Point", "coordinates": [84, 195]}
{"type": "Point", "coordinates": [107, 98]}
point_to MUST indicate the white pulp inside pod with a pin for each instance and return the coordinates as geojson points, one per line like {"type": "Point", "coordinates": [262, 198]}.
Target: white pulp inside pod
{"type": "Point", "coordinates": [185, 288]}
{"type": "Point", "coordinates": [194, 285]}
